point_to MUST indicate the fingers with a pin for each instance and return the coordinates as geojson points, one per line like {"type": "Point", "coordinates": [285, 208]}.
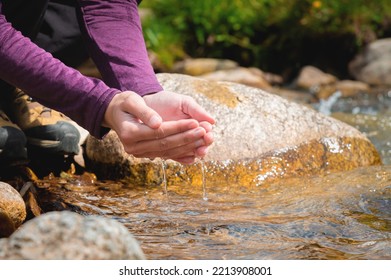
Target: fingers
{"type": "Point", "coordinates": [128, 105]}
{"type": "Point", "coordinates": [185, 154]}
{"type": "Point", "coordinates": [138, 132]}
{"type": "Point", "coordinates": [182, 136]}
{"type": "Point", "coordinates": [135, 104]}
{"type": "Point", "coordinates": [186, 160]}
{"type": "Point", "coordinates": [207, 126]}
{"type": "Point", "coordinates": [173, 146]}
{"type": "Point", "coordinates": [183, 147]}
{"type": "Point", "coordinates": [208, 139]}
{"type": "Point", "coordinates": [201, 151]}
{"type": "Point", "coordinates": [195, 111]}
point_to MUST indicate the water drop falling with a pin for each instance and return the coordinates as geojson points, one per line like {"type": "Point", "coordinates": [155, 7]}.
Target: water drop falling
{"type": "Point", "coordinates": [165, 190]}
{"type": "Point", "coordinates": [204, 193]}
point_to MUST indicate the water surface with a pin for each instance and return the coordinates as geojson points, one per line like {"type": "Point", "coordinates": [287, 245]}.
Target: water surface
{"type": "Point", "coordinates": [338, 216]}
{"type": "Point", "coordinates": [343, 215]}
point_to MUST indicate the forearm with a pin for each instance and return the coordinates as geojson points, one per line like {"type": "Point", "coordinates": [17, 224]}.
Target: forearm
{"type": "Point", "coordinates": [49, 81]}
{"type": "Point", "coordinates": [113, 33]}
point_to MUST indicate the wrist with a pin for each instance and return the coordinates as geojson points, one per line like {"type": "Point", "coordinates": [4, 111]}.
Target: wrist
{"type": "Point", "coordinates": [150, 90]}
{"type": "Point", "coordinates": [112, 107]}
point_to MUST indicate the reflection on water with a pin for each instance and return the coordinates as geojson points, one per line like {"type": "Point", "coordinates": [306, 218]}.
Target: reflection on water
{"type": "Point", "coordinates": [370, 113]}
{"type": "Point", "coordinates": [339, 216]}
{"type": "Point", "coordinates": [376, 102]}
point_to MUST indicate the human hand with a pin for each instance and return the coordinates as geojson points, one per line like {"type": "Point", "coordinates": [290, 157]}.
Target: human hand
{"type": "Point", "coordinates": [173, 106]}
{"type": "Point", "coordinates": [143, 132]}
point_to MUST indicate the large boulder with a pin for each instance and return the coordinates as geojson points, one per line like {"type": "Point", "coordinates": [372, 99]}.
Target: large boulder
{"type": "Point", "coordinates": [373, 64]}
{"type": "Point", "coordinates": [258, 137]}
{"type": "Point", "coordinates": [12, 209]}
{"type": "Point", "coordinates": [70, 236]}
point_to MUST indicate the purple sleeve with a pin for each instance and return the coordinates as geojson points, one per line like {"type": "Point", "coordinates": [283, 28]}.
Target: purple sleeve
{"type": "Point", "coordinates": [115, 41]}
{"type": "Point", "coordinates": [50, 82]}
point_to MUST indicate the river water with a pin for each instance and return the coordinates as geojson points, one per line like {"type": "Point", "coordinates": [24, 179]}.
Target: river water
{"type": "Point", "coordinates": [343, 215]}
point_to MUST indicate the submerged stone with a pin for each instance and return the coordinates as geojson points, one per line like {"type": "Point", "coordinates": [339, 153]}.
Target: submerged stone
{"type": "Point", "coordinates": [259, 137]}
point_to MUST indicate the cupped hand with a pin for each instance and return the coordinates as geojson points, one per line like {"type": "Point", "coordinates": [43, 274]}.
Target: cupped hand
{"type": "Point", "coordinates": [172, 106]}
{"type": "Point", "coordinates": [144, 133]}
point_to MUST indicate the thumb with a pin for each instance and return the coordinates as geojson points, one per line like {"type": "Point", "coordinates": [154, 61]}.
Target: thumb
{"type": "Point", "coordinates": [195, 111]}
{"type": "Point", "coordinates": [136, 106]}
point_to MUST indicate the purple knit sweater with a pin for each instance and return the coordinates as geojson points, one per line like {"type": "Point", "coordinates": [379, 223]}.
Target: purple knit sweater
{"type": "Point", "coordinates": [113, 34]}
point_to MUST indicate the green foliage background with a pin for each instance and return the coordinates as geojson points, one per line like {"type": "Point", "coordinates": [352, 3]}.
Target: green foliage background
{"type": "Point", "coordinates": [275, 35]}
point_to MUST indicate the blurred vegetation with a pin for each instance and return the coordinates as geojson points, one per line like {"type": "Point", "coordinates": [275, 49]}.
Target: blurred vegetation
{"type": "Point", "coordinates": [276, 35]}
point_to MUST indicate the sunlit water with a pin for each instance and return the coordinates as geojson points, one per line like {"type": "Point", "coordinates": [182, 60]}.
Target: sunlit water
{"type": "Point", "coordinates": [369, 113]}
{"type": "Point", "coordinates": [339, 216]}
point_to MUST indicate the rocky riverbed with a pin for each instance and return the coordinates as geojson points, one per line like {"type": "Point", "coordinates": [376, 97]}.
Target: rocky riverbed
{"type": "Point", "coordinates": [265, 133]}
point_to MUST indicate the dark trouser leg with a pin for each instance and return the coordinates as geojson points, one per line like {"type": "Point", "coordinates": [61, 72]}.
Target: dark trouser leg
{"type": "Point", "coordinates": [52, 25]}
{"type": "Point", "coordinates": [60, 33]}
{"type": "Point", "coordinates": [25, 16]}
{"type": "Point", "coordinates": [49, 133]}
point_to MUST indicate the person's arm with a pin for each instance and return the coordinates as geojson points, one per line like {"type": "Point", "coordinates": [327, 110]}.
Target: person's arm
{"type": "Point", "coordinates": [113, 33]}
{"type": "Point", "coordinates": [50, 82]}
{"type": "Point", "coordinates": [91, 103]}
{"type": "Point", "coordinates": [114, 38]}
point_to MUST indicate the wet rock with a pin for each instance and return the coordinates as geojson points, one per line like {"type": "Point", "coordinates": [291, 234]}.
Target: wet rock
{"type": "Point", "coordinates": [376, 127]}
{"type": "Point", "coordinates": [200, 66]}
{"type": "Point", "coordinates": [247, 76]}
{"type": "Point", "coordinates": [6, 225]}
{"type": "Point", "coordinates": [67, 235]}
{"type": "Point", "coordinates": [311, 77]}
{"type": "Point", "coordinates": [347, 88]}
{"type": "Point", "coordinates": [373, 65]}
{"type": "Point", "coordinates": [12, 209]}
{"type": "Point", "coordinates": [258, 137]}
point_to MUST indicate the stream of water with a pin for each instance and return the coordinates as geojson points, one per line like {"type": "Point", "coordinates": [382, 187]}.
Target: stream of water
{"type": "Point", "coordinates": [338, 216]}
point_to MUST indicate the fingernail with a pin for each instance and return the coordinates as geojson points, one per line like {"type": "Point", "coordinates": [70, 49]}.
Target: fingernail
{"type": "Point", "coordinates": [209, 137]}
{"type": "Point", "coordinates": [193, 125]}
{"type": "Point", "coordinates": [199, 132]}
{"type": "Point", "coordinates": [199, 143]}
{"type": "Point", "coordinates": [207, 126]}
